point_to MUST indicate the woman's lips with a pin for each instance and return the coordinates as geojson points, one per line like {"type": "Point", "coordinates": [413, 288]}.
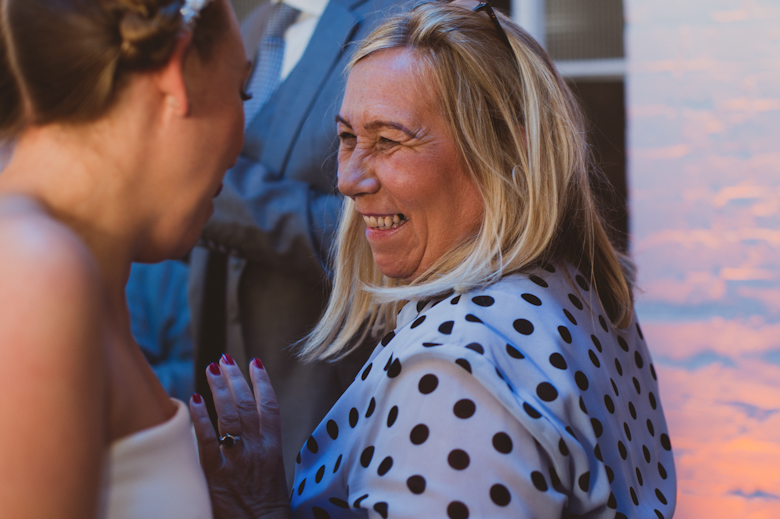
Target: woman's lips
{"type": "Point", "coordinates": [384, 222]}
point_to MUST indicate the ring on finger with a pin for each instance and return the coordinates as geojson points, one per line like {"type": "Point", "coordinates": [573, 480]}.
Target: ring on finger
{"type": "Point", "coordinates": [229, 440]}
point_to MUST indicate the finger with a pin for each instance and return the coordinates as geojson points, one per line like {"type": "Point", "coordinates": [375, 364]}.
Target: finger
{"type": "Point", "coordinates": [208, 446]}
{"type": "Point", "coordinates": [242, 397]}
{"type": "Point", "coordinates": [228, 419]}
{"type": "Point", "coordinates": [267, 405]}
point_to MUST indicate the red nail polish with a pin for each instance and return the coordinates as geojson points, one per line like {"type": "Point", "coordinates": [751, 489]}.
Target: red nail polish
{"type": "Point", "coordinates": [227, 359]}
{"type": "Point", "coordinates": [214, 368]}
{"type": "Point", "coordinates": [197, 398]}
{"type": "Point", "coordinates": [259, 364]}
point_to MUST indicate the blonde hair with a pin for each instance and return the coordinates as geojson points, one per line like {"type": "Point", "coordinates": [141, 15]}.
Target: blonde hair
{"type": "Point", "coordinates": [520, 132]}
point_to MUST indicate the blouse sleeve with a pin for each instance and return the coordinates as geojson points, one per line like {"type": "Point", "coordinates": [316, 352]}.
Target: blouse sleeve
{"type": "Point", "coordinates": [445, 445]}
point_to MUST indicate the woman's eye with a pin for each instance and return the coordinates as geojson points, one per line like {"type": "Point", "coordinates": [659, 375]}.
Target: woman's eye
{"type": "Point", "coordinates": [347, 139]}
{"type": "Point", "coordinates": [385, 143]}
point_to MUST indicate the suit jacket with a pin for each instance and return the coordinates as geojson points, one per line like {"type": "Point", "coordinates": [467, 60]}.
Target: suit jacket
{"type": "Point", "coordinates": [260, 283]}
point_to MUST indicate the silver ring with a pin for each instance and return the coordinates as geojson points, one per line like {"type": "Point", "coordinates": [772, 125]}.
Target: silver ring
{"type": "Point", "coordinates": [229, 440]}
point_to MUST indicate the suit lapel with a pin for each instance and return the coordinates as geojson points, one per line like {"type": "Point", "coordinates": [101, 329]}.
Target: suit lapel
{"type": "Point", "coordinates": [280, 120]}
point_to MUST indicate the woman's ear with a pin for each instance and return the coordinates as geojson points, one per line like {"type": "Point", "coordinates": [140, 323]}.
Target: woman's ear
{"type": "Point", "coordinates": [170, 79]}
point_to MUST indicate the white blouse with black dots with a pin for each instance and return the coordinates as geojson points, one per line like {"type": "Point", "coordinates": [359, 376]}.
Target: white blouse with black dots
{"type": "Point", "coordinates": [517, 400]}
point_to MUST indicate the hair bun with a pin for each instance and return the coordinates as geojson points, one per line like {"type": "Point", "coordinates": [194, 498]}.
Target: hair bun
{"type": "Point", "coordinates": [148, 32]}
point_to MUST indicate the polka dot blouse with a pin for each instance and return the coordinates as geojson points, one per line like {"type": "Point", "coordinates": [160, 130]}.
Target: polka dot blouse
{"type": "Point", "coordinates": [518, 401]}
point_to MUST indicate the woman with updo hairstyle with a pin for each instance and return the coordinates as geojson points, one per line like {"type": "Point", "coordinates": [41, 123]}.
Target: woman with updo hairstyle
{"type": "Point", "coordinates": [122, 117]}
{"type": "Point", "coordinates": [511, 378]}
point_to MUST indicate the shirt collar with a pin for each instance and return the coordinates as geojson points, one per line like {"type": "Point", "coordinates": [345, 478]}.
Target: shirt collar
{"type": "Point", "coordinates": [310, 7]}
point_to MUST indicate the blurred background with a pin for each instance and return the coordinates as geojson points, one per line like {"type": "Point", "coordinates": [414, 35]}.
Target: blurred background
{"type": "Point", "coordinates": [683, 103]}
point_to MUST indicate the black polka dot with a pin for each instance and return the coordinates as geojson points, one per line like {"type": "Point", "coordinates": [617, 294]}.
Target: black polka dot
{"type": "Point", "coordinates": [632, 410]}
{"type": "Point", "coordinates": [338, 464]}
{"type": "Point", "coordinates": [333, 429]}
{"type": "Point", "coordinates": [556, 481]}
{"type": "Point", "coordinates": [575, 301]}
{"type": "Point", "coordinates": [475, 346]}
{"type": "Point", "coordinates": [538, 480]}
{"type": "Point", "coordinates": [320, 473]}
{"type": "Point", "coordinates": [637, 386]}
{"type": "Point", "coordinates": [446, 327]}
{"type": "Point", "coordinates": [581, 380]}
{"type": "Point", "coordinates": [603, 323]}
{"type": "Point", "coordinates": [389, 363]}
{"type": "Point", "coordinates": [387, 338]}
{"type": "Point", "coordinates": [638, 359]}
{"type": "Point", "coordinates": [565, 335]}
{"type": "Point", "coordinates": [665, 443]}
{"type": "Point", "coordinates": [614, 387]}
{"type": "Point", "coordinates": [385, 466]}
{"type": "Point", "coordinates": [464, 408]}
{"type": "Point", "coordinates": [463, 363]}
{"type": "Point", "coordinates": [381, 509]}
{"type": "Point", "coordinates": [502, 443]}
{"type": "Point", "coordinates": [539, 281]}
{"type": "Point", "coordinates": [584, 482]}
{"type": "Point", "coordinates": [639, 331]}
{"type": "Point", "coordinates": [338, 502]}
{"type": "Point", "coordinates": [612, 502]}
{"type": "Point", "coordinates": [662, 471]}
{"type": "Point", "coordinates": [395, 369]}
{"type": "Point", "coordinates": [499, 494]}
{"type": "Point", "coordinates": [530, 411]}
{"type": "Point", "coordinates": [523, 326]}
{"type": "Point", "coordinates": [457, 510]}
{"type": "Point", "coordinates": [646, 453]}
{"type": "Point", "coordinates": [609, 404]}
{"type": "Point", "coordinates": [532, 299]}
{"type": "Point", "coordinates": [483, 301]}
{"type": "Point", "coordinates": [570, 431]}
{"type": "Point", "coordinates": [557, 360]}
{"type": "Point", "coordinates": [371, 407]}
{"type": "Point", "coordinates": [353, 417]}
{"type": "Point", "coordinates": [458, 459]}
{"type": "Point", "coordinates": [597, 453]}
{"type": "Point", "coordinates": [419, 434]}
{"type": "Point", "coordinates": [421, 304]}
{"type": "Point", "coordinates": [594, 359]}
{"type": "Point", "coordinates": [598, 429]}
{"type": "Point", "coordinates": [455, 300]}
{"type": "Point", "coordinates": [622, 449]}
{"type": "Point", "coordinates": [659, 514]}
{"type": "Point", "coordinates": [514, 352]}
{"type": "Point", "coordinates": [582, 406]}
{"type": "Point", "coordinates": [473, 318]}
{"type": "Point", "coordinates": [581, 282]}
{"type": "Point", "coordinates": [622, 343]}
{"type": "Point", "coordinates": [359, 500]}
{"type": "Point", "coordinates": [546, 392]}
{"type": "Point", "coordinates": [366, 372]}
{"type": "Point", "coordinates": [619, 367]}
{"type": "Point", "coordinates": [311, 444]}
{"type": "Point", "coordinates": [652, 372]}
{"type": "Point", "coordinates": [633, 496]}
{"type": "Point", "coordinates": [417, 322]}
{"type": "Point", "coordinates": [546, 266]}
{"type": "Point", "coordinates": [651, 397]}
{"type": "Point", "coordinates": [563, 448]}
{"type": "Point", "coordinates": [365, 457]}
{"type": "Point", "coordinates": [416, 484]}
{"type": "Point", "coordinates": [650, 428]}
{"type": "Point", "coordinates": [319, 513]}
{"type": "Point", "coordinates": [392, 416]}
{"type": "Point", "coordinates": [661, 497]}
{"type": "Point", "coordinates": [596, 343]}
{"type": "Point", "coordinates": [428, 384]}
{"type": "Point", "coordinates": [627, 430]}
{"type": "Point", "coordinates": [570, 317]}
{"type": "Point", "coordinates": [610, 473]}
{"type": "Point", "coordinates": [301, 486]}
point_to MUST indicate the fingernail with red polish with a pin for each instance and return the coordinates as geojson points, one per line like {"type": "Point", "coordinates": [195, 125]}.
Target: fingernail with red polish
{"type": "Point", "coordinates": [258, 364]}
{"type": "Point", "coordinates": [197, 398]}
{"type": "Point", "coordinates": [214, 368]}
{"type": "Point", "coordinates": [227, 359]}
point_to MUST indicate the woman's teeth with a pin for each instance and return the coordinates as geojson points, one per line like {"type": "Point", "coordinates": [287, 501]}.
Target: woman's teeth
{"type": "Point", "coordinates": [385, 222]}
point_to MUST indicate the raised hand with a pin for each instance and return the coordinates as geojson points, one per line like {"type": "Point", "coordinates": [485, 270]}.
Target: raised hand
{"type": "Point", "coordinates": [245, 475]}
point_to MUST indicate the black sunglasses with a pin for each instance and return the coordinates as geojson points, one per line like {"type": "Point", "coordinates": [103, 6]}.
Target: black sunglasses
{"type": "Point", "coordinates": [483, 5]}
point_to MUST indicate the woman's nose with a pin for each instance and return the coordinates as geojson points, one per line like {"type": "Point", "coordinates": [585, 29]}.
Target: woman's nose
{"type": "Point", "coordinates": [356, 176]}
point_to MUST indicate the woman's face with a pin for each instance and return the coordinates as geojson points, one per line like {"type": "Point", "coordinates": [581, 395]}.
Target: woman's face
{"type": "Point", "coordinates": [400, 165]}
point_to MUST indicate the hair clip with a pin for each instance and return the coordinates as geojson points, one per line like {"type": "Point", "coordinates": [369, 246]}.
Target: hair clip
{"type": "Point", "coordinates": [191, 10]}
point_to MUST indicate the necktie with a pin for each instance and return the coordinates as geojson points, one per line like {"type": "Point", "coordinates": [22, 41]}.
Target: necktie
{"type": "Point", "coordinates": [270, 51]}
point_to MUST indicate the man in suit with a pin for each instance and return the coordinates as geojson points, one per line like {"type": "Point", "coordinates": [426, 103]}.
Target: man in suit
{"type": "Point", "coordinates": [259, 283]}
